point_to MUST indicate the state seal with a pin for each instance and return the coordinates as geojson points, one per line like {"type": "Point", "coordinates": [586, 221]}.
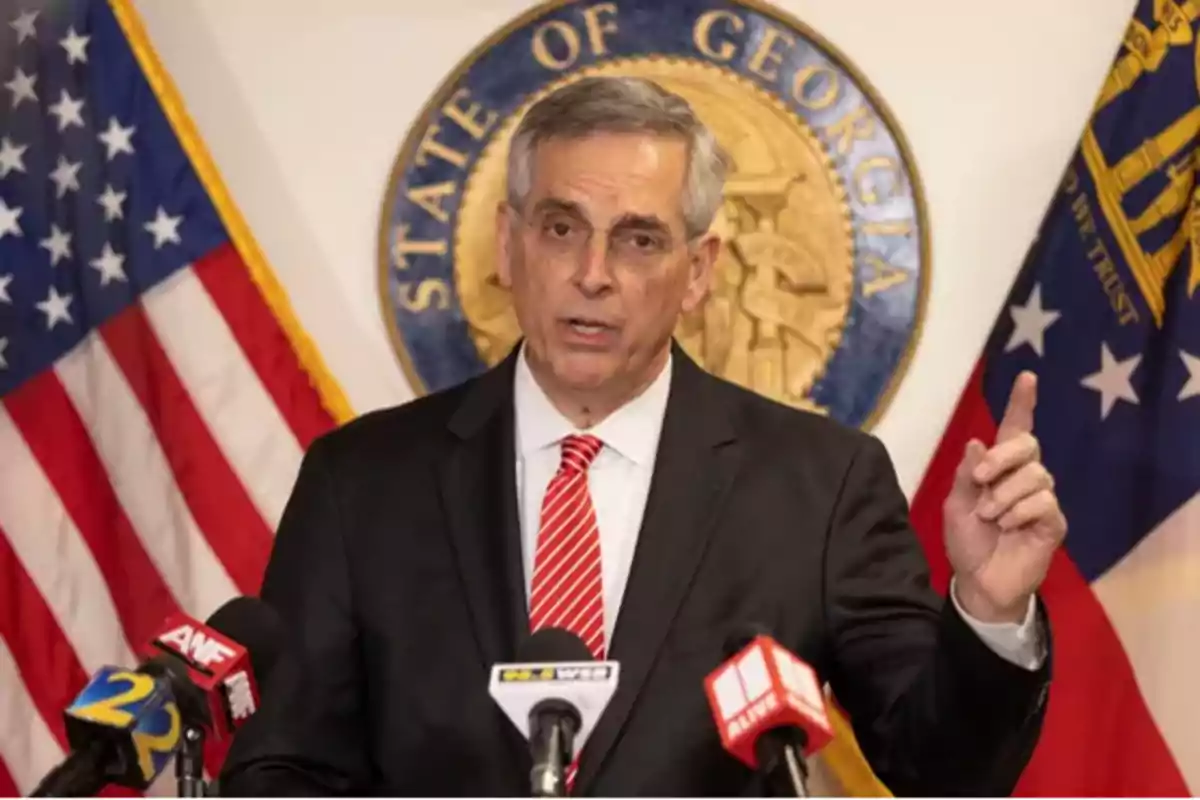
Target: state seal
{"type": "Point", "coordinates": [821, 282]}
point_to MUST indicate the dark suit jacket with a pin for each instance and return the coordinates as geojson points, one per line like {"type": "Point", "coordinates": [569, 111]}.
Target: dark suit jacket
{"type": "Point", "coordinates": [397, 567]}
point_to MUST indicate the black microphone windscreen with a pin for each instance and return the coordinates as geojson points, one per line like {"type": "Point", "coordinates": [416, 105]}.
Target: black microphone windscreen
{"type": "Point", "coordinates": [553, 644]}
{"type": "Point", "coordinates": [741, 635]}
{"type": "Point", "coordinates": [255, 626]}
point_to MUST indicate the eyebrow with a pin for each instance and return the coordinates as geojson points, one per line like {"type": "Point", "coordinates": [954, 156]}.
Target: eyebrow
{"type": "Point", "coordinates": [553, 204]}
{"type": "Point", "coordinates": [641, 222]}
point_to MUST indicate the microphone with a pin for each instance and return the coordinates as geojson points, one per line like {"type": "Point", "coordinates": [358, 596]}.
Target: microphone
{"type": "Point", "coordinates": [125, 726]}
{"type": "Point", "coordinates": [225, 662]}
{"type": "Point", "coordinates": [122, 728]}
{"type": "Point", "coordinates": [554, 694]}
{"type": "Point", "coordinates": [769, 710]}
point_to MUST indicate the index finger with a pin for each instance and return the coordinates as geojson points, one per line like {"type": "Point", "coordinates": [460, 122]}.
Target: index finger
{"type": "Point", "coordinates": [1018, 417]}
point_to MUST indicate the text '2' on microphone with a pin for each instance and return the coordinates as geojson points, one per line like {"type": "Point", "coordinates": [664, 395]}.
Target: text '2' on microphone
{"type": "Point", "coordinates": [770, 711]}
{"type": "Point", "coordinates": [554, 694]}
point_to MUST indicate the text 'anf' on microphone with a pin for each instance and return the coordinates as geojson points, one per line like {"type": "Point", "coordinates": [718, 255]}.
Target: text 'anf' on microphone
{"type": "Point", "coordinates": [770, 711]}
{"type": "Point", "coordinates": [554, 693]}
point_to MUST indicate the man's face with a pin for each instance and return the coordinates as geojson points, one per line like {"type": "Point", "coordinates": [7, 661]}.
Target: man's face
{"type": "Point", "coordinates": [598, 260]}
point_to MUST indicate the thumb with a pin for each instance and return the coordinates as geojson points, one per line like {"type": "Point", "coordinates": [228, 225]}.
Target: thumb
{"type": "Point", "coordinates": [972, 456]}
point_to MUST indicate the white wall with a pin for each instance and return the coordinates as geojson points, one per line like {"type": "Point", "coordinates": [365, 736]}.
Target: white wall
{"type": "Point", "coordinates": [304, 105]}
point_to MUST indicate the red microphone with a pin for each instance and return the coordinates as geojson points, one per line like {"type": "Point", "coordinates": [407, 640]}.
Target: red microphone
{"type": "Point", "coordinates": [217, 665]}
{"type": "Point", "coordinates": [770, 711]}
{"type": "Point", "coordinates": [226, 660]}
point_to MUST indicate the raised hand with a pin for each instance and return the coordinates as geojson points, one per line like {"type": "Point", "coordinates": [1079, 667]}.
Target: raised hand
{"type": "Point", "coordinates": [1002, 520]}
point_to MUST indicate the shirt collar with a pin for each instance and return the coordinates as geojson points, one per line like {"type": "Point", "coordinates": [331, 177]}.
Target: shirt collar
{"type": "Point", "coordinates": [632, 430]}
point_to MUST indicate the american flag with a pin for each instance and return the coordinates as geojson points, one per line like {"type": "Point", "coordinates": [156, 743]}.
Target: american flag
{"type": "Point", "coordinates": [156, 394]}
{"type": "Point", "coordinates": [1106, 311]}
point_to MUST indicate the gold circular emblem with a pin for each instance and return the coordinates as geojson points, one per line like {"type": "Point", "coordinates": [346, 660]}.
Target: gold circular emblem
{"type": "Point", "coordinates": [823, 270]}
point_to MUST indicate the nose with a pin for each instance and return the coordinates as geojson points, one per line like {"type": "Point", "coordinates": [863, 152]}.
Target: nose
{"type": "Point", "coordinates": [592, 274]}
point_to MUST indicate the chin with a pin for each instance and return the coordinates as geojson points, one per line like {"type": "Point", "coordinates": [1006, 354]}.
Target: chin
{"type": "Point", "coordinates": [583, 371]}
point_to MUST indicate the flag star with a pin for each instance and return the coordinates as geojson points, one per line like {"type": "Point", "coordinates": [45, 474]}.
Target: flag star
{"type": "Point", "coordinates": [1113, 380]}
{"type": "Point", "coordinates": [55, 307]}
{"type": "Point", "coordinates": [1192, 387]}
{"type": "Point", "coordinates": [111, 200]}
{"type": "Point", "coordinates": [75, 45]}
{"type": "Point", "coordinates": [1030, 322]}
{"type": "Point", "coordinates": [111, 265]}
{"type": "Point", "coordinates": [23, 25]}
{"type": "Point", "coordinates": [11, 157]}
{"type": "Point", "coordinates": [58, 243]}
{"type": "Point", "coordinates": [8, 219]}
{"type": "Point", "coordinates": [66, 175]}
{"type": "Point", "coordinates": [3, 347]}
{"type": "Point", "coordinates": [68, 110]}
{"type": "Point", "coordinates": [21, 87]}
{"type": "Point", "coordinates": [117, 139]}
{"type": "Point", "coordinates": [5, 280]}
{"type": "Point", "coordinates": [164, 228]}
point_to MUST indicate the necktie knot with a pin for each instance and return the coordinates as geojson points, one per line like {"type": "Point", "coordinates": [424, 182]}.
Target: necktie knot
{"type": "Point", "coordinates": [578, 453]}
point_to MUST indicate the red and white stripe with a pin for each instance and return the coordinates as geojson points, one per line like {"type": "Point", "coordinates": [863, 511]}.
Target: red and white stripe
{"type": "Point", "coordinates": [567, 589]}
{"type": "Point", "coordinates": [26, 742]}
{"type": "Point", "coordinates": [144, 474]}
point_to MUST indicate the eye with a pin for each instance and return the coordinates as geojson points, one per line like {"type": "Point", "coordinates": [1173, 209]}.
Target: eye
{"type": "Point", "coordinates": [641, 241]}
{"type": "Point", "coordinates": [558, 228]}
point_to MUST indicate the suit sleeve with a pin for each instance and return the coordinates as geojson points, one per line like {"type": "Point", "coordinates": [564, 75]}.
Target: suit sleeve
{"type": "Point", "coordinates": [307, 737]}
{"type": "Point", "coordinates": [935, 710]}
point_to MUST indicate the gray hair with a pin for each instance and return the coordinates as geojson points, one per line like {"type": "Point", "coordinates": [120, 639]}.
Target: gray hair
{"type": "Point", "coordinates": [623, 105]}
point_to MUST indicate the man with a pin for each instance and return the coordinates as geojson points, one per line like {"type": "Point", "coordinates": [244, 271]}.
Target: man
{"type": "Point", "coordinates": [599, 480]}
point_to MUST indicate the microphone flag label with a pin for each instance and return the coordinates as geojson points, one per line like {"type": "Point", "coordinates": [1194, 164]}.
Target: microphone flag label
{"type": "Point", "coordinates": [762, 687]}
{"type": "Point", "coordinates": [117, 701]}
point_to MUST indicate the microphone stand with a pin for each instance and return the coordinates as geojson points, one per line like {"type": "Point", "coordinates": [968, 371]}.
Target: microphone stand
{"type": "Point", "coordinates": [780, 761]}
{"type": "Point", "coordinates": [553, 725]}
{"type": "Point", "coordinates": [189, 764]}
{"type": "Point", "coordinates": [797, 771]}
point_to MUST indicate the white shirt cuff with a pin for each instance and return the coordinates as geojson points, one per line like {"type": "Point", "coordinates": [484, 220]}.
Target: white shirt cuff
{"type": "Point", "coordinates": [1019, 643]}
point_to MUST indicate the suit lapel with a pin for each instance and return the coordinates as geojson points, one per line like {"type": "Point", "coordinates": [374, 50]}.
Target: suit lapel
{"type": "Point", "coordinates": [696, 462]}
{"type": "Point", "coordinates": [478, 487]}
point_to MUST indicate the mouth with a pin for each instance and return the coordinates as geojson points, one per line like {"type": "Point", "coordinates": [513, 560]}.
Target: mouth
{"type": "Point", "coordinates": [589, 326]}
{"type": "Point", "coordinates": [588, 334]}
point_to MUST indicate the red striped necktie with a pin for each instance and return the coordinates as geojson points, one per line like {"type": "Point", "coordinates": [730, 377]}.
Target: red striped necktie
{"type": "Point", "coordinates": [567, 591]}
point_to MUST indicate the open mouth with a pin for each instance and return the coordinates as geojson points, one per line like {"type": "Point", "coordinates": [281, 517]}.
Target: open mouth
{"type": "Point", "coordinates": [588, 326]}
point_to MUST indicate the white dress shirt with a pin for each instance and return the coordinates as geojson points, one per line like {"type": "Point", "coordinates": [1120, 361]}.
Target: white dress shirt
{"type": "Point", "coordinates": [619, 478]}
{"type": "Point", "coordinates": [619, 481]}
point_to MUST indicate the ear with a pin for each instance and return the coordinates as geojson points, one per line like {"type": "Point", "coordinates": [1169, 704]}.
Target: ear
{"type": "Point", "coordinates": [702, 261]}
{"type": "Point", "coordinates": [504, 243]}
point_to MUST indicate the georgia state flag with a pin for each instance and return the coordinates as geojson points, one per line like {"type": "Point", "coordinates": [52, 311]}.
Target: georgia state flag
{"type": "Point", "coordinates": [1106, 311]}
